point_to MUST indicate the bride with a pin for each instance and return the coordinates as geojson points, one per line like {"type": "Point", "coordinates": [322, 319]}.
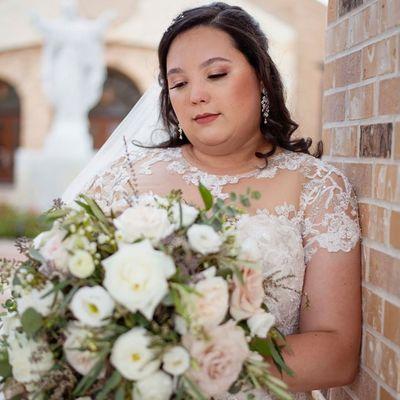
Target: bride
{"type": "Point", "coordinates": [223, 111]}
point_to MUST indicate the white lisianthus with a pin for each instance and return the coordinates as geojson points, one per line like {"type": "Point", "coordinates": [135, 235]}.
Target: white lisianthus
{"type": "Point", "coordinates": [81, 264]}
{"type": "Point", "coordinates": [92, 306]}
{"type": "Point", "coordinates": [51, 247]}
{"type": "Point", "coordinates": [204, 239]}
{"type": "Point", "coordinates": [157, 386]}
{"type": "Point", "coordinates": [133, 356]}
{"type": "Point", "coordinates": [189, 214]}
{"type": "Point", "coordinates": [81, 361]}
{"type": "Point", "coordinates": [31, 297]}
{"type": "Point", "coordinates": [260, 324]}
{"type": "Point", "coordinates": [176, 360]}
{"type": "Point", "coordinates": [143, 222]}
{"type": "Point", "coordinates": [249, 250]}
{"type": "Point", "coordinates": [136, 277]}
{"type": "Point", "coordinates": [30, 359]}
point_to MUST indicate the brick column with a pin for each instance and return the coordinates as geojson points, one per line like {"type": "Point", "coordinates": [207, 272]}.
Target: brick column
{"type": "Point", "coordinates": [361, 133]}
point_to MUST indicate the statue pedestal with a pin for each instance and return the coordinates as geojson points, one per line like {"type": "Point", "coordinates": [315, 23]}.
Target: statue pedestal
{"type": "Point", "coordinates": [42, 177]}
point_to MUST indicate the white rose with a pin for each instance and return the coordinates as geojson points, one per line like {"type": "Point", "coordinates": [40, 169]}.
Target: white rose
{"type": "Point", "coordinates": [152, 200]}
{"type": "Point", "coordinates": [208, 308]}
{"type": "Point", "coordinates": [176, 360]}
{"type": "Point", "coordinates": [136, 277]}
{"type": "Point", "coordinates": [92, 306]}
{"type": "Point", "coordinates": [189, 214]}
{"type": "Point", "coordinates": [261, 323]}
{"type": "Point", "coordinates": [81, 361]}
{"type": "Point", "coordinates": [143, 222]}
{"type": "Point", "coordinates": [30, 359]}
{"type": "Point", "coordinates": [203, 239]}
{"type": "Point", "coordinates": [51, 247]}
{"type": "Point", "coordinates": [81, 264]}
{"type": "Point", "coordinates": [35, 298]}
{"type": "Point", "coordinates": [249, 250]}
{"type": "Point", "coordinates": [157, 386]}
{"type": "Point", "coordinates": [133, 356]}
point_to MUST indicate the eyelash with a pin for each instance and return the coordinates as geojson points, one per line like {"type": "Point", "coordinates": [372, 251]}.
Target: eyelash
{"type": "Point", "coordinates": [213, 76]}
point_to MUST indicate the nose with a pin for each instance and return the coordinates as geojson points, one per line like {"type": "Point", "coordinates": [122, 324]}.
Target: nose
{"type": "Point", "coordinates": [198, 94]}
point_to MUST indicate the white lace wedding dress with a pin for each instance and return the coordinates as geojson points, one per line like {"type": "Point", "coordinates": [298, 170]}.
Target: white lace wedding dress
{"type": "Point", "coordinates": [305, 204]}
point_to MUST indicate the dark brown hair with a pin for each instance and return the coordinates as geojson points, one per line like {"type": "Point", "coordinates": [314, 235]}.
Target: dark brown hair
{"type": "Point", "coordinates": [251, 41]}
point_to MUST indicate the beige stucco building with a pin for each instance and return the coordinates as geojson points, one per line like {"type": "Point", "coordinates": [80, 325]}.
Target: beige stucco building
{"type": "Point", "coordinates": [295, 29]}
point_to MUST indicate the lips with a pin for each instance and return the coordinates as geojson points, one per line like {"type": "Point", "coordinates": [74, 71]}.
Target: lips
{"type": "Point", "coordinates": [205, 118]}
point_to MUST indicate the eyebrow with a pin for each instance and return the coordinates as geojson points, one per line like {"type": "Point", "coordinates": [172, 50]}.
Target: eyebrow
{"type": "Point", "coordinates": [202, 65]}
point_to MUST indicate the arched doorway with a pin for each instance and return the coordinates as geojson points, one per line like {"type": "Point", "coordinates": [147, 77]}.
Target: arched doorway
{"type": "Point", "coordinates": [9, 130]}
{"type": "Point", "coordinates": [119, 96]}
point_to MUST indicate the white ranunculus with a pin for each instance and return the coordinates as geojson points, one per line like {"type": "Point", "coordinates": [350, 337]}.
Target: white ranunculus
{"type": "Point", "coordinates": [136, 277]}
{"type": "Point", "coordinates": [92, 306]}
{"type": "Point", "coordinates": [209, 305]}
{"type": "Point", "coordinates": [143, 222]}
{"type": "Point", "coordinates": [51, 247]}
{"type": "Point", "coordinates": [81, 361]}
{"type": "Point", "coordinates": [81, 264]}
{"type": "Point", "coordinates": [203, 239]}
{"type": "Point", "coordinates": [157, 386]}
{"type": "Point", "coordinates": [176, 360]}
{"type": "Point", "coordinates": [189, 214]}
{"type": "Point", "coordinates": [261, 323]}
{"type": "Point", "coordinates": [32, 297]}
{"type": "Point", "coordinates": [133, 356]}
{"type": "Point", "coordinates": [30, 359]}
{"type": "Point", "coordinates": [249, 250]}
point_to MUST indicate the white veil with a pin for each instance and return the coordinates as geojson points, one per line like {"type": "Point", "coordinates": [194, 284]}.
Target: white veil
{"type": "Point", "coordinates": [143, 124]}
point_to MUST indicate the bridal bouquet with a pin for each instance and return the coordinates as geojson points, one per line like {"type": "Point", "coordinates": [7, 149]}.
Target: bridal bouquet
{"type": "Point", "coordinates": [160, 302]}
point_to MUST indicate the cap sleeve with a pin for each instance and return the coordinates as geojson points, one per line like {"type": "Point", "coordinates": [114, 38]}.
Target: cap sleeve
{"type": "Point", "coordinates": [330, 211]}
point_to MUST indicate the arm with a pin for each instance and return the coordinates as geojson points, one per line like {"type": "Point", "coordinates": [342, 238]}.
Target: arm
{"type": "Point", "coordinates": [325, 352]}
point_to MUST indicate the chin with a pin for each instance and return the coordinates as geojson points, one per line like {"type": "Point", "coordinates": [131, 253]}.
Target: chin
{"type": "Point", "coordinates": [209, 140]}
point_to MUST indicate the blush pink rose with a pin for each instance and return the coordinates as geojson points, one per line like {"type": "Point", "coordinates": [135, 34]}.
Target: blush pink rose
{"type": "Point", "coordinates": [247, 296]}
{"type": "Point", "coordinates": [219, 359]}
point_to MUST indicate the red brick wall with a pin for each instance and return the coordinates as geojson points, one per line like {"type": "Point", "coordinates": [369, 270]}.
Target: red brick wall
{"type": "Point", "coordinates": [361, 133]}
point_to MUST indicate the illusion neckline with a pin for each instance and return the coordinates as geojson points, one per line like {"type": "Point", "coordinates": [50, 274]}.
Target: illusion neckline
{"type": "Point", "coordinates": [248, 174]}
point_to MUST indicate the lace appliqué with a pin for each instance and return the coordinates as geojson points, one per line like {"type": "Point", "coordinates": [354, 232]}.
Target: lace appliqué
{"type": "Point", "coordinates": [329, 211]}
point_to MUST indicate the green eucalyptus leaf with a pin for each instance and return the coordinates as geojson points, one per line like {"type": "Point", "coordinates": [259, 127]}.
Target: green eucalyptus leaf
{"type": "Point", "coordinates": [35, 255]}
{"type": "Point", "coordinates": [31, 321]}
{"type": "Point", "coordinates": [5, 367]}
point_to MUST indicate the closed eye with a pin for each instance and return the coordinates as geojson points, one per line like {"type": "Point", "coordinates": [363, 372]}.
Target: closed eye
{"type": "Point", "coordinates": [216, 76]}
{"type": "Point", "coordinates": [213, 76]}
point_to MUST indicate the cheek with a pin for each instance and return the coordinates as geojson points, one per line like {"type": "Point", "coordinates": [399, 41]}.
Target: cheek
{"type": "Point", "coordinates": [243, 97]}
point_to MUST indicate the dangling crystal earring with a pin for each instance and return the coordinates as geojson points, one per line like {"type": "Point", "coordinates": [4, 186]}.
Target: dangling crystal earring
{"type": "Point", "coordinates": [180, 132]}
{"type": "Point", "coordinates": [265, 105]}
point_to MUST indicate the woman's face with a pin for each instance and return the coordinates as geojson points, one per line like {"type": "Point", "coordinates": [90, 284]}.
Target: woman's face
{"type": "Point", "coordinates": [207, 75]}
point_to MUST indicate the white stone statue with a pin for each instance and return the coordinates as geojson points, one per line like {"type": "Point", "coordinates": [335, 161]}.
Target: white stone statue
{"type": "Point", "coordinates": [73, 75]}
